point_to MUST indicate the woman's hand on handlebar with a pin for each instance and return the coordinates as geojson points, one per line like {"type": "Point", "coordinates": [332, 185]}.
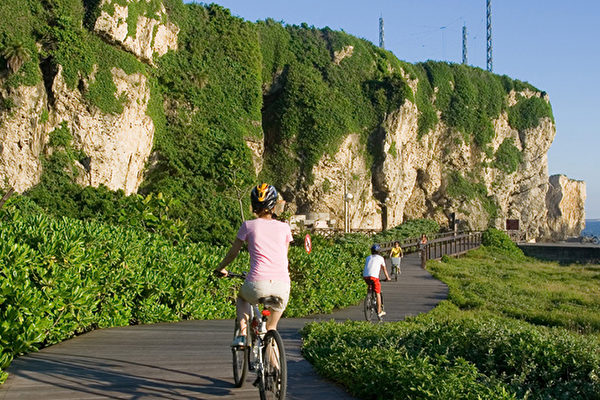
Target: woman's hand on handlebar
{"type": "Point", "coordinates": [221, 272]}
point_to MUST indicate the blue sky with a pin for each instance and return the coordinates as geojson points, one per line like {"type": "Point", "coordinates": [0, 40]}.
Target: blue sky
{"type": "Point", "coordinates": [552, 44]}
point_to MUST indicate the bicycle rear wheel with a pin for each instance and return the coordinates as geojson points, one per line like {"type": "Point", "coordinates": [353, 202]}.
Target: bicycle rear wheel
{"type": "Point", "coordinates": [395, 272]}
{"type": "Point", "coordinates": [370, 305]}
{"type": "Point", "coordinates": [274, 383]}
{"type": "Point", "coordinates": [240, 360]}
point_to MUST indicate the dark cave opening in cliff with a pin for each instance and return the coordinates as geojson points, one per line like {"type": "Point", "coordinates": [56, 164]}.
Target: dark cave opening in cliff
{"type": "Point", "coordinates": [49, 71]}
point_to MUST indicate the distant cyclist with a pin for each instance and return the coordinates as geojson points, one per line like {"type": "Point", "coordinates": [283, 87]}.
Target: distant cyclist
{"type": "Point", "coordinates": [396, 255]}
{"type": "Point", "coordinates": [374, 264]}
{"type": "Point", "coordinates": [268, 242]}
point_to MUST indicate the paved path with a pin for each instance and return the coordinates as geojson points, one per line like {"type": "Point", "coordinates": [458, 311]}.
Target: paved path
{"type": "Point", "coordinates": [190, 359]}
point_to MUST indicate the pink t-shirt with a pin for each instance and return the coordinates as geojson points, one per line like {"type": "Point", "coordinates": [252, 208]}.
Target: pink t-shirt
{"type": "Point", "coordinates": [268, 241]}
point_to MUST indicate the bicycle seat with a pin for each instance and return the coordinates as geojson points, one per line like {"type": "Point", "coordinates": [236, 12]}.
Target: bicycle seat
{"type": "Point", "coordinates": [271, 301]}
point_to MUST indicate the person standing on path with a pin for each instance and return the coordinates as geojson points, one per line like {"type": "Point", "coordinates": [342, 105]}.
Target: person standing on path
{"type": "Point", "coordinates": [396, 255]}
{"type": "Point", "coordinates": [423, 247]}
{"type": "Point", "coordinates": [373, 265]}
{"type": "Point", "coordinates": [268, 242]}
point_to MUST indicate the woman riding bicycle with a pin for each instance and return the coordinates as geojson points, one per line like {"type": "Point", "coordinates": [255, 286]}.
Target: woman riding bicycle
{"type": "Point", "coordinates": [268, 242]}
{"type": "Point", "coordinates": [396, 255]}
{"type": "Point", "coordinates": [373, 265]}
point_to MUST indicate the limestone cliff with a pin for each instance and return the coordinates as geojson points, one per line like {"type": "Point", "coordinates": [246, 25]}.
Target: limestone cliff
{"type": "Point", "coordinates": [116, 146]}
{"type": "Point", "coordinates": [22, 137]}
{"type": "Point", "coordinates": [565, 201]}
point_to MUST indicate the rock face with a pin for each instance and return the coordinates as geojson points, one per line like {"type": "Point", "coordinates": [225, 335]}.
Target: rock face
{"type": "Point", "coordinates": [411, 177]}
{"type": "Point", "coordinates": [335, 178]}
{"type": "Point", "coordinates": [117, 145]}
{"type": "Point", "coordinates": [153, 33]}
{"type": "Point", "coordinates": [22, 138]}
{"type": "Point", "coordinates": [412, 181]}
{"type": "Point", "coordinates": [565, 201]}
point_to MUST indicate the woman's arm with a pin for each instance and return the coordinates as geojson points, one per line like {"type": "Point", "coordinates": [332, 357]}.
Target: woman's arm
{"type": "Point", "coordinates": [231, 255]}
{"type": "Point", "coordinates": [384, 269]}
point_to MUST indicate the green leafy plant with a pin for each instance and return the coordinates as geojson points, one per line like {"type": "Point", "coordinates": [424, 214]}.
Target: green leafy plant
{"type": "Point", "coordinates": [16, 54]}
{"type": "Point", "coordinates": [508, 156]}
{"type": "Point", "coordinates": [527, 112]}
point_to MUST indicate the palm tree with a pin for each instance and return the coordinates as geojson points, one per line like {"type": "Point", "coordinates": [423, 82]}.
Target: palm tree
{"type": "Point", "coordinates": [16, 54]}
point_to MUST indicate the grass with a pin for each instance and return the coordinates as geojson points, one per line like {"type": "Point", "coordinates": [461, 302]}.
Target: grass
{"type": "Point", "coordinates": [541, 293]}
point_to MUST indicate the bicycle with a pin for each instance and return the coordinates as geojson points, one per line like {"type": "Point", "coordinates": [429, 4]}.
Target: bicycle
{"type": "Point", "coordinates": [590, 239]}
{"type": "Point", "coordinates": [370, 304]}
{"type": "Point", "coordinates": [396, 268]}
{"type": "Point", "coordinates": [264, 353]}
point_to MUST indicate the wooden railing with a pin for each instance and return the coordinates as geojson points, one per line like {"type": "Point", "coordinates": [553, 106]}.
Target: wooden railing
{"type": "Point", "coordinates": [457, 245]}
{"type": "Point", "coordinates": [410, 245]}
{"type": "Point", "coordinates": [441, 244]}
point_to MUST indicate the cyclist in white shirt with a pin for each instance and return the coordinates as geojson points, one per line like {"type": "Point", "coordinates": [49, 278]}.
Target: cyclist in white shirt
{"type": "Point", "coordinates": [373, 265]}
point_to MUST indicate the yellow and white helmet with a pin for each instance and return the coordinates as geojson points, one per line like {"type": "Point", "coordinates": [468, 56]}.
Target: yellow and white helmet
{"type": "Point", "coordinates": [263, 197]}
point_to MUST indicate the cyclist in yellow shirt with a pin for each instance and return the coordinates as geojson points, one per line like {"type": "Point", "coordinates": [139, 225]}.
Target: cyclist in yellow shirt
{"type": "Point", "coordinates": [396, 255]}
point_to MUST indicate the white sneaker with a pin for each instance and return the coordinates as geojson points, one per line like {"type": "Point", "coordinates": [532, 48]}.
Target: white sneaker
{"type": "Point", "coordinates": [239, 341]}
{"type": "Point", "coordinates": [381, 314]}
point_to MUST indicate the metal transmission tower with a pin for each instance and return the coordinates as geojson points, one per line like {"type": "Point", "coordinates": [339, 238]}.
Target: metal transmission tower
{"type": "Point", "coordinates": [465, 45]}
{"type": "Point", "coordinates": [381, 41]}
{"type": "Point", "coordinates": [489, 35]}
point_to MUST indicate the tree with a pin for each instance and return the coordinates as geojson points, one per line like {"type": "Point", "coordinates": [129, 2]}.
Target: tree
{"type": "Point", "coordinates": [16, 54]}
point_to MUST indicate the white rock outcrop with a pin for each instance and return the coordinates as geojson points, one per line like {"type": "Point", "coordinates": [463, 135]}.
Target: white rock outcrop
{"type": "Point", "coordinates": [334, 177]}
{"type": "Point", "coordinates": [118, 145]}
{"type": "Point", "coordinates": [22, 137]}
{"type": "Point", "coordinates": [154, 34]}
{"type": "Point", "coordinates": [565, 201]}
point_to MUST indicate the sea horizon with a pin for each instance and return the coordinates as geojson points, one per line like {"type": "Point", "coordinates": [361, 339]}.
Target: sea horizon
{"type": "Point", "coordinates": [592, 227]}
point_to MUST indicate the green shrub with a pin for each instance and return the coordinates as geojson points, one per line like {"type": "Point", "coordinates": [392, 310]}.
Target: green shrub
{"type": "Point", "coordinates": [407, 230]}
{"type": "Point", "coordinates": [499, 240]}
{"type": "Point", "coordinates": [527, 112]}
{"type": "Point", "coordinates": [365, 360]}
{"type": "Point", "coordinates": [61, 277]}
{"type": "Point", "coordinates": [508, 156]}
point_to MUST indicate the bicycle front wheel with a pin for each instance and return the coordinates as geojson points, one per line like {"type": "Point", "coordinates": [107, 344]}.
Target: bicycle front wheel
{"type": "Point", "coordinates": [382, 307]}
{"type": "Point", "coordinates": [371, 305]}
{"type": "Point", "coordinates": [274, 383]}
{"type": "Point", "coordinates": [240, 361]}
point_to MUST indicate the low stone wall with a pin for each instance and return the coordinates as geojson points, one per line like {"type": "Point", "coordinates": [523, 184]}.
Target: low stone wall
{"type": "Point", "coordinates": [563, 253]}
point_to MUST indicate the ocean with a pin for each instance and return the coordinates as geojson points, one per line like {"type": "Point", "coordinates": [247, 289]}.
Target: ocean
{"type": "Point", "coordinates": [592, 227]}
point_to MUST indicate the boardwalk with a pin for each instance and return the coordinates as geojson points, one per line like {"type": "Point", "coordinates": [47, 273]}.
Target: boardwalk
{"type": "Point", "coordinates": [191, 359]}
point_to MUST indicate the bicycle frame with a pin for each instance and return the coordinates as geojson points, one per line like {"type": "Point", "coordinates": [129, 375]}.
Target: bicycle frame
{"type": "Point", "coordinates": [370, 303]}
{"type": "Point", "coordinates": [259, 341]}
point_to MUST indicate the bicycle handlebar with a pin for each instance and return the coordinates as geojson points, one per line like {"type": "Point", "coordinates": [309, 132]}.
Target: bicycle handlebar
{"type": "Point", "coordinates": [230, 275]}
